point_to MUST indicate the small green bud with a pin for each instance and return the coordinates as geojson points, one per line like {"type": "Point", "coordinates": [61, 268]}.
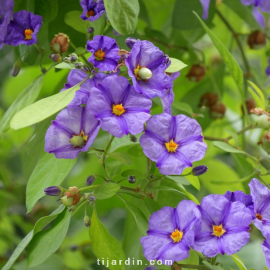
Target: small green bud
{"type": "Point", "coordinates": [145, 73]}
{"type": "Point", "coordinates": [259, 118]}
{"type": "Point", "coordinates": [87, 221]}
{"type": "Point", "coordinates": [79, 65]}
{"type": "Point", "coordinates": [73, 57]}
{"type": "Point", "coordinates": [67, 201]}
{"type": "Point", "coordinates": [133, 138]}
{"type": "Point", "coordinates": [16, 68]}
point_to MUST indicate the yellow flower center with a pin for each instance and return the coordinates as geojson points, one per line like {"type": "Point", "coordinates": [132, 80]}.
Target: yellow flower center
{"type": "Point", "coordinates": [79, 140]}
{"type": "Point", "coordinates": [171, 146]}
{"type": "Point", "coordinates": [176, 236]}
{"type": "Point", "coordinates": [118, 109]}
{"type": "Point", "coordinates": [28, 34]}
{"type": "Point", "coordinates": [90, 13]}
{"type": "Point", "coordinates": [99, 55]}
{"type": "Point", "coordinates": [218, 230]}
{"type": "Point", "coordinates": [258, 216]}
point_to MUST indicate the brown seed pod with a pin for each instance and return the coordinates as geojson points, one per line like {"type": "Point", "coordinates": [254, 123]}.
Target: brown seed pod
{"type": "Point", "coordinates": [251, 104]}
{"type": "Point", "coordinates": [256, 40]}
{"type": "Point", "coordinates": [208, 99]}
{"type": "Point", "coordinates": [217, 111]}
{"type": "Point", "coordinates": [75, 194]}
{"type": "Point", "coordinates": [196, 73]}
{"type": "Point", "coordinates": [60, 43]}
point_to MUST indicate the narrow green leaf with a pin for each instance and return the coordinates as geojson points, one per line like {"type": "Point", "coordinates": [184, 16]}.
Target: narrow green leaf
{"type": "Point", "coordinates": [138, 215]}
{"type": "Point", "coordinates": [257, 94]}
{"type": "Point", "coordinates": [176, 65]}
{"type": "Point", "coordinates": [64, 65]}
{"type": "Point", "coordinates": [74, 20]}
{"type": "Point", "coordinates": [239, 262]}
{"type": "Point", "coordinates": [151, 205]}
{"type": "Point", "coordinates": [114, 169]}
{"type": "Point", "coordinates": [184, 107]}
{"type": "Point", "coordinates": [123, 15]}
{"type": "Point", "coordinates": [25, 98]}
{"type": "Point", "coordinates": [122, 157]}
{"type": "Point", "coordinates": [226, 147]}
{"type": "Point", "coordinates": [104, 245]}
{"type": "Point", "coordinates": [49, 171]}
{"type": "Point", "coordinates": [124, 141]}
{"type": "Point", "coordinates": [43, 108]}
{"type": "Point", "coordinates": [106, 190]}
{"type": "Point", "coordinates": [45, 243]}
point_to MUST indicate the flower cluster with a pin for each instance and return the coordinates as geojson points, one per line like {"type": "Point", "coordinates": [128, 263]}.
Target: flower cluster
{"type": "Point", "coordinates": [219, 225]}
{"type": "Point", "coordinates": [17, 28]}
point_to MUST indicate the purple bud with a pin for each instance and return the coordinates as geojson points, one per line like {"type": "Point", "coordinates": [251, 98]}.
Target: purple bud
{"type": "Point", "coordinates": [53, 191]}
{"type": "Point", "coordinates": [73, 248]}
{"type": "Point", "coordinates": [92, 198]}
{"type": "Point", "coordinates": [132, 179]}
{"type": "Point", "coordinates": [90, 180]}
{"type": "Point", "coordinates": [199, 170]}
{"type": "Point", "coordinates": [90, 30]}
{"type": "Point", "coordinates": [73, 57]}
{"type": "Point", "coordinates": [79, 65]}
{"type": "Point", "coordinates": [56, 58]}
{"type": "Point", "coordinates": [130, 42]}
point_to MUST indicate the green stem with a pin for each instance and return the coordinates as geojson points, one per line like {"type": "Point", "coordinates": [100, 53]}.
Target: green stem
{"type": "Point", "coordinates": [122, 180]}
{"type": "Point", "coordinates": [104, 156]}
{"type": "Point", "coordinates": [96, 149]}
{"type": "Point", "coordinates": [82, 56]}
{"type": "Point", "coordinates": [191, 266]}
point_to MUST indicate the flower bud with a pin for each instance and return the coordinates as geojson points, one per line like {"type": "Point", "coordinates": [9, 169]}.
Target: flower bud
{"type": "Point", "coordinates": [250, 103]}
{"type": "Point", "coordinates": [53, 191]}
{"type": "Point", "coordinates": [91, 198]}
{"type": "Point", "coordinates": [133, 138]}
{"type": "Point", "coordinates": [87, 221]}
{"type": "Point", "coordinates": [73, 57]}
{"type": "Point", "coordinates": [90, 180]}
{"type": "Point", "coordinates": [71, 197]}
{"type": "Point", "coordinates": [145, 73]}
{"type": "Point", "coordinates": [217, 111]}
{"type": "Point", "coordinates": [132, 179]}
{"type": "Point", "coordinates": [256, 40]}
{"type": "Point", "coordinates": [208, 99]}
{"type": "Point", "coordinates": [79, 65]}
{"type": "Point", "coordinates": [56, 58]}
{"type": "Point", "coordinates": [199, 170]}
{"type": "Point", "coordinates": [196, 73]}
{"type": "Point", "coordinates": [90, 30]}
{"type": "Point", "coordinates": [73, 248]}
{"type": "Point", "coordinates": [60, 43]}
{"type": "Point", "coordinates": [130, 42]}
{"type": "Point", "coordinates": [265, 142]}
{"type": "Point", "coordinates": [16, 68]}
{"type": "Point", "coordinates": [43, 70]}
{"type": "Point", "coordinates": [260, 118]}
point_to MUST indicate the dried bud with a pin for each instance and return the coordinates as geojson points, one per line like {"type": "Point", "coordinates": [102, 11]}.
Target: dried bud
{"type": "Point", "coordinates": [56, 58]}
{"type": "Point", "coordinates": [79, 65]}
{"type": "Point", "coordinates": [250, 103]}
{"type": "Point", "coordinates": [256, 40]}
{"type": "Point", "coordinates": [73, 196]}
{"type": "Point", "coordinates": [199, 170]}
{"type": "Point", "coordinates": [53, 191]}
{"type": "Point", "coordinates": [90, 30]}
{"type": "Point", "coordinates": [196, 73]}
{"type": "Point", "coordinates": [73, 57]}
{"type": "Point", "coordinates": [132, 179]}
{"type": "Point", "coordinates": [260, 118]}
{"type": "Point", "coordinates": [16, 68]}
{"type": "Point", "coordinates": [130, 42]}
{"type": "Point", "coordinates": [208, 99]}
{"type": "Point", "coordinates": [87, 221]}
{"type": "Point", "coordinates": [90, 180]}
{"type": "Point", "coordinates": [217, 111]}
{"type": "Point", "coordinates": [133, 138]}
{"type": "Point", "coordinates": [60, 43]}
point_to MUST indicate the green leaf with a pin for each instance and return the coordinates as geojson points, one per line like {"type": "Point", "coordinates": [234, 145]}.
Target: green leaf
{"type": "Point", "coordinates": [106, 190]}
{"type": "Point", "coordinates": [99, 25]}
{"type": "Point", "coordinates": [80, 50]}
{"type": "Point", "coordinates": [124, 141]}
{"type": "Point", "coordinates": [184, 107]}
{"type": "Point", "coordinates": [104, 245]}
{"type": "Point", "coordinates": [114, 169]}
{"type": "Point", "coordinates": [74, 20]}
{"type": "Point", "coordinates": [257, 95]}
{"type": "Point", "coordinates": [43, 108]}
{"type": "Point", "coordinates": [123, 15]}
{"type": "Point", "coordinates": [234, 136]}
{"type": "Point", "coordinates": [136, 173]}
{"type": "Point", "coordinates": [175, 65]}
{"type": "Point", "coordinates": [226, 183]}
{"type": "Point", "coordinates": [239, 262]}
{"type": "Point", "coordinates": [45, 243]}
{"type": "Point", "coordinates": [64, 65]}
{"type": "Point", "coordinates": [25, 98]}
{"type": "Point", "coordinates": [29, 54]}
{"type": "Point", "coordinates": [122, 157]}
{"type": "Point", "coordinates": [226, 147]}
{"type": "Point", "coordinates": [151, 205]}
{"type": "Point", "coordinates": [138, 215]}
{"type": "Point", "coordinates": [210, 266]}
{"type": "Point", "coordinates": [49, 171]}
{"type": "Point", "coordinates": [41, 223]}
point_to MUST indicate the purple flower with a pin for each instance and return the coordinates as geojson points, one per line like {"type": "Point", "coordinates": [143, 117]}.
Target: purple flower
{"type": "Point", "coordinates": [267, 71]}
{"type": "Point", "coordinates": [259, 17]}
{"type": "Point", "coordinates": [146, 65]}
{"type": "Point", "coordinates": [23, 28]}
{"type": "Point", "coordinates": [261, 198]}
{"type": "Point", "coordinates": [240, 196]}
{"type": "Point", "coordinates": [104, 53]}
{"type": "Point", "coordinates": [224, 226]}
{"type": "Point", "coordinates": [150, 268]}
{"type": "Point", "coordinates": [53, 191]}
{"type": "Point", "coordinates": [5, 17]}
{"type": "Point", "coordinates": [130, 42]}
{"type": "Point", "coordinates": [205, 5]}
{"type": "Point", "coordinates": [173, 142]}
{"type": "Point", "coordinates": [92, 10]}
{"type": "Point", "coordinates": [266, 251]}
{"type": "Point", "coordinates": [264, 5]}
{"type": "Point", "coordinates": [73, 131]}
{"type": "Point", "coordinates": [171, 233]}
{"type": "Point", "coordinates": [118, 107]}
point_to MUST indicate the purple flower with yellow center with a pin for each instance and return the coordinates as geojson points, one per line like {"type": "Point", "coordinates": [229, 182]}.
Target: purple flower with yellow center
{"type": "Point", "coordinates": [73, 131]}
{"type": "Point", "coordinates": [223, 228]}
{"type": "Point", "coordinates": [104, 53]}
{"type": "Point", "coordinates": [267, 71]}
{"type": "Point", "coordinates": [261, 198]}
{"type": "Point", "coordinates": [264, 5]}
{"type": "Point", "coordinates": [173, 142]}
{"type": "Point", "coordinates": [92, 10]}
{"type": "Point", "coordinates": [23, 28]}
{"type": "Point", "coordinates": [5, 17]}
{"type": "Point", "coordinates": [240, 196]}
{"type": "Point", "coordinates": [266, 251]}
{"type": "Point", "coordinates": [171, 233]}
{"type": "Point", "coordinates": [119, 108]}
{"type": "Point", "coordinates": [146, 65]}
